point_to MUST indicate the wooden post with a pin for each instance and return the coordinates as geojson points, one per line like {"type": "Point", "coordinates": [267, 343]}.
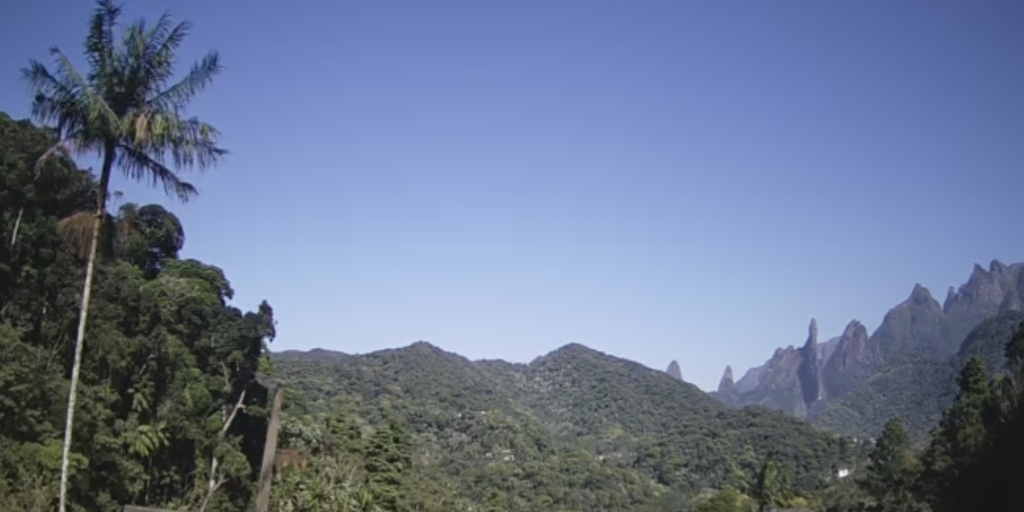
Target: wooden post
{"type": "Point", "coordinates": [269, 451]}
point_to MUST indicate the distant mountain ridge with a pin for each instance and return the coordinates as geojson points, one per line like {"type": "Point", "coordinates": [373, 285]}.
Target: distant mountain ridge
{"type": "Point", "coordinates": [805, 382]}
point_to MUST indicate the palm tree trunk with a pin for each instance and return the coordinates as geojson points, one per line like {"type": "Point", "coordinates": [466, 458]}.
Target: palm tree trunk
{"type": "Point", "coordinates": [90, 267]}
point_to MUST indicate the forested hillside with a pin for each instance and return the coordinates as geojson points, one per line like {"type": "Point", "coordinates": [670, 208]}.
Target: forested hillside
{"type": "Point", "coordinates": [581, 430]}
{"type": "Point", "coordinates": [576, 429]}
{"type": "Point", "coordinates": [168, 358]}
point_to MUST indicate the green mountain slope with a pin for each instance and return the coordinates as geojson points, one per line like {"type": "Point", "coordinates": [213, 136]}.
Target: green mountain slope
{"type": "Point", "coordinates": [575, 428]}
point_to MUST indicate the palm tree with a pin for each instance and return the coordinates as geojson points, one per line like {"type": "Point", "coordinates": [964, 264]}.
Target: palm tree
{"type": "Point", "coordinates": [127, 111]}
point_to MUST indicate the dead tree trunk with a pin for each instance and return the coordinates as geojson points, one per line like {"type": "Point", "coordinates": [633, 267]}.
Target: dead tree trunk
{"type": "Point", "coordinates": [269, 451]}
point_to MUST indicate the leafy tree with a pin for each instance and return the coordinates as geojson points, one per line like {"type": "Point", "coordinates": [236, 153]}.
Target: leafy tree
{"type": "Point", "coordinates": [330, 483]}
{"type": "Point", "coordinates": [772, 487]}
{"type": "Point", "coordinates": [388, 461]}
{"type": "Point", "coordinates": [126, 111]}
{"type": "Point", "coordinates": [890, 478]}
{"type": "Point", "coordinates": [149, 237]}
{"type": "Point", "coordinates": [169, 400]}
{"type": "Point", "coordinates": [961, 435]}
{"type": "Point", "coordinates": [987, 476]}
{"type": "Point", "coordinates": [1014, 388]}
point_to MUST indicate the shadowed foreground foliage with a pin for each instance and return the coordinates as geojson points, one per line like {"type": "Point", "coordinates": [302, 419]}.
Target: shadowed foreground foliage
{"type": "Point", "coordinates": [169, 361]}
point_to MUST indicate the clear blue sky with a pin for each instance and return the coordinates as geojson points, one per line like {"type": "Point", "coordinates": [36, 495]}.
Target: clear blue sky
{"type": "Point", "coordinates": [688, 180]}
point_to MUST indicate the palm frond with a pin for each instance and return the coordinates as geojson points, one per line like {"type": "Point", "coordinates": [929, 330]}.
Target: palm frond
{"type": "Point", "coordinates": [189, 142]}
{"type": "Point", "coordinates": [96, 110]}
{"type": "Point", "coordinates": [124, 105]}
{"type": "Point", "coordinates": [99, 44]}
{"type": "Point", "coordinates": [161, 43]}
{"type": "Point", "coordinates": [148, 54]}
{"type": "Point", "coordinates": [138, 165]}
{"type": "Point", "coordinates": [56, 101]}
{"type": "Point", "coordinates": [132, 68]}
{"type": "Point", "coordinates": [175, 97]}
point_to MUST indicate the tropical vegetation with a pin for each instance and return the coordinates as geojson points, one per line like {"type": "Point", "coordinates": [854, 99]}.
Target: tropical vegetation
{"type": "Point", "coordinates": [161, 398]}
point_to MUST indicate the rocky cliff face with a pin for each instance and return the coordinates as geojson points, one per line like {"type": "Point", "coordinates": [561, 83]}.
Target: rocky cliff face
{"type": "Point", "coordinates": [790, 381]}
{"type": "Point", "coordinates": [825, 350]}
{"type": "Point", "coordinates": [674, 371]}
{"type": "Point", "coordinates": [750, 380]}
{"type": "Point", "coordinates": [809, 373]}
{"type": "Point", "coordinates": [727, 388]}
{"type": "Point", "coordinates": [985, 294]}
{"type": "Point", "coordinates": [780, 384]}
{"type": "Point", "coordinates": [915, 328]}
{"type": "Point", "coordinates": [802, 381]}
{"type": "Point", "coordinates": [854, 360]}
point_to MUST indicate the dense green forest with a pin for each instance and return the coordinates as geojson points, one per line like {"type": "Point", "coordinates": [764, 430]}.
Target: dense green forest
{"type": "Point", "coordinates": [575, 430]}
{"type": "Point", "coordinates": [580, 430]}
{"type": "Point", "coordinates": [166, 381]}
{"type": "Point", "coordinates": [168, 360]}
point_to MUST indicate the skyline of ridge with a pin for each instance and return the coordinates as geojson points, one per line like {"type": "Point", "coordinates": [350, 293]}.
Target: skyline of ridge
{"type": "Point", "coordinates": [737, 372]}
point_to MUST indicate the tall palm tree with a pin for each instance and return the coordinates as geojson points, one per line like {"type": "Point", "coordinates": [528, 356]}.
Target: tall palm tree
{"type": "Point", "coordinates": [127, 111]}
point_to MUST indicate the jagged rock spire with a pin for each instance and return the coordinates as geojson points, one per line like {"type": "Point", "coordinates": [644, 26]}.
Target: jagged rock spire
{"type": "Point", "coordinates": [674, 371]}
{"type": "Point", "coordinates": [950, 299]}
{"type": "Point", "coordinates": [808, 372]}
{"type": "Point", "coordinates": [812, 334]}
{"type": "Point", "coordinates": [996, 267]}
{"type": "Point", "coordinates": [920, 295]}
{"type": "Point", "coordinates": [726, 387]}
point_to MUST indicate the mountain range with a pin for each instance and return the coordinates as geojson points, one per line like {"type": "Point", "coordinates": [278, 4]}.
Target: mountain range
{"type": "Point", "coordinates": [854, 382]}
{"type": "Point", "coordinates": [636, 435]}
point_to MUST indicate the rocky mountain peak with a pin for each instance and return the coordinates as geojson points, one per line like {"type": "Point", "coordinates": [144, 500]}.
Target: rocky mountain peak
{"type": "Point", "coordinates": [997, 267]}
{"type": "Point", "coordinates": [854, 360]}
{"type": "Point", "coordinates": [674, 371]}
{"type": "Point", "coordinates": [916, 329]}
{"type": "Point", "coordinates": [812, 334]}
{"type": "Point", "coordinates": [853, 329]}
{"type": "Point", "coordinates": [921, 296]}
{"type": "Point", "coordinates": [950, 299]}
{"type": "Point", "coordinates": [809, 372]}
{"type": "Point", "coordinates": [986, 293]}
{"type": "Point", "coordinates": [727, 388]}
